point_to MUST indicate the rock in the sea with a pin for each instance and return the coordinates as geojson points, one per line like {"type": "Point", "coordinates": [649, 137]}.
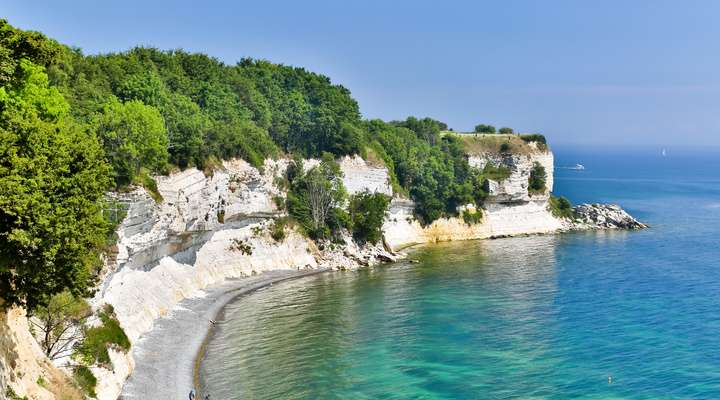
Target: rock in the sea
{"type": "Point", "coordinates": [604, 216]}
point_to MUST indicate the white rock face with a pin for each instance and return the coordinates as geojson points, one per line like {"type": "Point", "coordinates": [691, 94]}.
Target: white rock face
{"type": "Point", "coordinates": [359, 176]}
{"type": "Point", "coordinates": [499, 220]}
{"type": "Point", "coordinates": [515, 187]}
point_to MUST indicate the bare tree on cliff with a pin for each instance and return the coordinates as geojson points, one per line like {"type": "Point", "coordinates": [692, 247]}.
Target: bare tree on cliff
{"type": "Point", "coordinates": [57, 325]}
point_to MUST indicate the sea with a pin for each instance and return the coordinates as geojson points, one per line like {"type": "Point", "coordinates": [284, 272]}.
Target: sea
{"type": "Point", "coordinates": [588, 315]}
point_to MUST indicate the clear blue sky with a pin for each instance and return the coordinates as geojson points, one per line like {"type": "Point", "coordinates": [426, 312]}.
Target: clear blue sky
{"type": "Point", "coordinates": [582, 72]}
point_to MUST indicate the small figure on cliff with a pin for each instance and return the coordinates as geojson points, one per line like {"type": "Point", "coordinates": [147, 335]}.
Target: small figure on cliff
{"type": "Point", "coordinates": [192, 394]}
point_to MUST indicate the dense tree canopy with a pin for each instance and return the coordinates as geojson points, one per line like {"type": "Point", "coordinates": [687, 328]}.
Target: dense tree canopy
{"type": "Point", "coordinates": [133, 136]}
{"type": "Point", "coordinates": [52, 178]}
{"type": "Point", "coordinates": [482, 128]}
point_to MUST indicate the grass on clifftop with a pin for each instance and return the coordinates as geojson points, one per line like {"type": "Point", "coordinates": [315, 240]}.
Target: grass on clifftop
{"type": "Point", "coordinates": [480, 143]}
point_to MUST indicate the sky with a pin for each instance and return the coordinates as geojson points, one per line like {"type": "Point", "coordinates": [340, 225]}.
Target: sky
{"type": "Point", "coordinates": [580, 72]}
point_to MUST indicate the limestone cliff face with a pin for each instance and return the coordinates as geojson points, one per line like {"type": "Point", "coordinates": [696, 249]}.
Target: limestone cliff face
{"type": "Point", "coordinates": [515, 188]}
{"type": "Point", "coordinates": [508, 210]}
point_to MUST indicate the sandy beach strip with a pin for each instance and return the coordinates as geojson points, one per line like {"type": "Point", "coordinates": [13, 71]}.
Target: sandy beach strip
{"type": "Point", "coordinates": [166, 358]}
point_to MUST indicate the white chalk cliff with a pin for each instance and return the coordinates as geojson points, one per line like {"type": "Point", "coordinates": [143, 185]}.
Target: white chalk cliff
{"type": "Point", "coordinates": [508, 210]}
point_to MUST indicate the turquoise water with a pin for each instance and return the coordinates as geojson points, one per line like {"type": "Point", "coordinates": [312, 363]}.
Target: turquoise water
{"type": "Point", "coordinates": [537, 317]}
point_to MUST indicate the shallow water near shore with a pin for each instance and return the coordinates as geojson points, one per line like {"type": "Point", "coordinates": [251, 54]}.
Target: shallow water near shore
{"type": "Point", "coordinates": [533, 317]}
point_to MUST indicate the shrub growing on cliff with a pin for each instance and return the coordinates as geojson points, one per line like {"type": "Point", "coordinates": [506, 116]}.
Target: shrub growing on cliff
{"type": "Point", "coordinates": [536, 181]}
{"type": "Point", "coordinates": [505, 131]}
{"type": "Point", "coordinates": [367, 213]}
{"type": "Point", "coordinates": [536, 138]}
{"type": "Point", "coordinates": [242, 246]}
{"type": "Point", "coordinates": [277, 229]}
{"type": "Point", "coordinates": [561, 207]}
{"type": "Point", "coordinates": [93, 349]}
{"type": "Point", "coordinates": [472, 218]}
{"type": "Point", "coordinates": [85, 379]}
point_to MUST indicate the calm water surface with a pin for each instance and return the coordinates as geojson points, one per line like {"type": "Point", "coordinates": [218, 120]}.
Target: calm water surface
{"type": "Point", "coordinates": [536, 317]}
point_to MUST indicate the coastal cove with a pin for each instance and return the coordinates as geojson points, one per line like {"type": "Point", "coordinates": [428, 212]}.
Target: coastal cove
{"type": "Point", "coordinates": [545, 316]}
{"type": "Point", "coordinates": [306, 201]}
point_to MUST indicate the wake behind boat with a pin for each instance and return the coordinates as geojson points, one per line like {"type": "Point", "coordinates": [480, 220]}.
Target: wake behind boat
{"type": "Point", "coordinates": [578, 167]}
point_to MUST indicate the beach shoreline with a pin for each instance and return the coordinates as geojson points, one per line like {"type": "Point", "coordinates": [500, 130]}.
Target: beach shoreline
{"type": "Point", "coordinates": [168, 357]}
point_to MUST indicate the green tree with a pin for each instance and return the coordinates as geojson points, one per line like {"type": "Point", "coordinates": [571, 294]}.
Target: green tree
{"type": "Point", "coordinates": [482, 128]}
{"type": "Point", "coordinates": [52, 179]}
{"type": "Point", "coordinates": [134, 137]}
{"type": "Point", "coordinates": [505, 131]}
{"type": "Point", "coordinates": [57, 325]}
{"type": "Point", "coordinates": [315, 199]}
{"type": "Point", "coordinates": [367, 213]}
{"type": "Point", "coordinates": [17, 45]}
{"type": "Point", "coordinates": [536, 181]}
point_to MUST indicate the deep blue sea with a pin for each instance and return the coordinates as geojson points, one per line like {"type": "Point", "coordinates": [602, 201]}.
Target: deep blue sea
{"type": "Point", "coordinates": [598, 315]}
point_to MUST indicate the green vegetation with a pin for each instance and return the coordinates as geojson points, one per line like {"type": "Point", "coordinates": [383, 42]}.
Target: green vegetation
{"type": "Point", "coordinates": [537, 179]}
{"type": "Point", "coordinates": [315, 198]}
{"type": "Point", "coordinates": [52, 178]}
{"type": "Point", "coordinates": [537, 138]}
{"type": "Point", "coordinates": [561, 207]}
{"type": "Point", "coordinates": [242, 246]}
{"type": "Point", "coordinates": [496, 173]}
{"type": "Point", "coordinates": [55, 324]}
{"type": "Point", "coordinates": [93, 349]}
{"type": "Point", "coordinates": [506, 131]}
{"type": "Point", "coordinates": [472, 218]}
{"type": "Point", "coordinates": [277, 229]}
{"type": "Point", "coordinates": [85, 379]}
{"type": "Point", "coordinates": [134, 137]}
{"type": "Point", "coordinates": [482, 128]}
{"type": "Point", "coordinates": [11, 395]}
{"type": "Point", "coordinates": [367, 212]}
{"type": "Point", "coordinates": [505, 147]}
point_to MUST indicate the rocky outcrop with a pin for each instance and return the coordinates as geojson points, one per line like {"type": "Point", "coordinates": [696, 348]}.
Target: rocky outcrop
{"type": "Point", "coordinates": [358, 175]}
{"type": "Point", "coordinates": [515, 188]}
{"type": "Point", "coordinates": [509, 209]}
{"type": "Point", "coordinates": [603, 216]}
